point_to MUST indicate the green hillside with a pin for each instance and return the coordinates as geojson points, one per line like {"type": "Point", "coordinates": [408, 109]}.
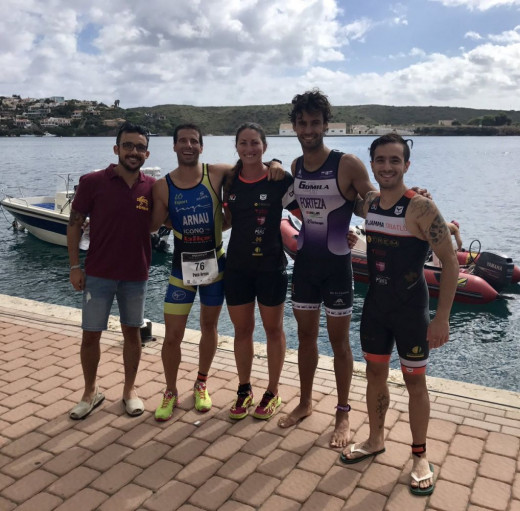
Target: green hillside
{"type": "Point", "coordinates": [162, 119]}
{"type": "Point", "coordinates": [89, 118]}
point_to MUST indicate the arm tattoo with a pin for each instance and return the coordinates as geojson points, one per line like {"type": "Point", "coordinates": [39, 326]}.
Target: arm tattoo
{"type": "Point", "coordinates": [422, 208]}
{"type": "Point", "coordinates": [438, 230]}
{"type": "Point", "coordinates": [358, 206]}
{"type": "Point", "coordinates": [76, 218]}
{"type": "Point", "coordinates": [362, 205]}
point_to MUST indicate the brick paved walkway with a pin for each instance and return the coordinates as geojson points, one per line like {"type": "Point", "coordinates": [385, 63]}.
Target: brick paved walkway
{"type": "Point", "coordinates": [208, 462]}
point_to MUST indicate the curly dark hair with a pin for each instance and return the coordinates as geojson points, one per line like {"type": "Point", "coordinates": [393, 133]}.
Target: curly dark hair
{"type": "Point", "coordinates": [311, 101]}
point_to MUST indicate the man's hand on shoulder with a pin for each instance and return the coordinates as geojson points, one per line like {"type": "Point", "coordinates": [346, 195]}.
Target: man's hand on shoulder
{"type": "Point", "coordinates": [276, 171]}
{"type": "Point", "coordinates": [422, 191]}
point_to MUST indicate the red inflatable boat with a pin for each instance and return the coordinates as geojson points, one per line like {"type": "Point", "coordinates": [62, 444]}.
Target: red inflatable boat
{"type": "Point", "coordinates": [477, 273]}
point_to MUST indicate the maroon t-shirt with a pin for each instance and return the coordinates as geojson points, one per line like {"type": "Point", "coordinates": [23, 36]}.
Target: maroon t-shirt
{"type": "Point", "coordinates": [120, 247]}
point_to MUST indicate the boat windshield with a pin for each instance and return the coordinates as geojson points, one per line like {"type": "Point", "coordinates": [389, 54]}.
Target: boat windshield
{"type": "Point", "coordinates": [67, 183]}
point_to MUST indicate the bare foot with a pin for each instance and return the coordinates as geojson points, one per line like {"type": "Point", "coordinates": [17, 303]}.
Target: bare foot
{"type": "Point", "coordinates": [299, 413]}
{"type": "Point", "coordinates": [341, 434]}
{"type": "Point", "coordinates": [355, 453]}
{"type": "Point", "coordinates": [421, 469]}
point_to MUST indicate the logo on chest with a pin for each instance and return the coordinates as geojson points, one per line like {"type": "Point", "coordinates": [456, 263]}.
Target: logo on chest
{"type": "Point", "coordinates": [142, 203]}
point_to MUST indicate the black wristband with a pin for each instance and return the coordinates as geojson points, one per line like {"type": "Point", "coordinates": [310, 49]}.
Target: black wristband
{"type": "Point", "coordinates": [276, 159]}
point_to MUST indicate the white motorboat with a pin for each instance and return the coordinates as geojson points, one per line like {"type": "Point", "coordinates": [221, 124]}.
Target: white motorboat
{"type": "Point", "coordinates": [47, 217]}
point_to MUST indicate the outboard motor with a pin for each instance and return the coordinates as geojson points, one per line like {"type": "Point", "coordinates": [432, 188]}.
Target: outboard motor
{"type": "Point", "coordinates": [159, 239]}
{"type": "Point", "coordinates": [496, 269]}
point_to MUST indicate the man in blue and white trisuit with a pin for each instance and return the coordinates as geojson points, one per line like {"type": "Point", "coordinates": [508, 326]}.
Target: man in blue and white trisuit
{"type": "Point", "coordinates": [400, 227]}
{"type": "Point", "coordinates": [326, 185]}
{"type": "Point", "coordinates": [191, 198]}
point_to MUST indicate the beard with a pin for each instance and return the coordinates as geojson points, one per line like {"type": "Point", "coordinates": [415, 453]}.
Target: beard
{"type": "Point", "coordinates": [131, 167]}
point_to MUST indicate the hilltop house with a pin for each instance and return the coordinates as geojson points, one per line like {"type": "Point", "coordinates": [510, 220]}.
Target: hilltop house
{"type": "Point", "coordinates": [22, 122]}
{"type": "Point", "coordinates": [55, 121]}
{"type": "Point", "coordinates": [113, 123]}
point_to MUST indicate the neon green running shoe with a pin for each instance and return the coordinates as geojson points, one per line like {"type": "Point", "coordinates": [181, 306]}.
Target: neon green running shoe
{"type": "Point", "coordinates": [201, 395]}
{"type": "Point", "coordinates": [268, 406]}
{"type": "Point", "coordinates": [240, 406]}
{"type": "Point", "coordinates": [164, 411]}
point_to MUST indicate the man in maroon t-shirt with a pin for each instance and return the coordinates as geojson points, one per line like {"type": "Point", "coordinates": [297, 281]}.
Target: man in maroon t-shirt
{"type": "Point", "coordinates": [118, 203]}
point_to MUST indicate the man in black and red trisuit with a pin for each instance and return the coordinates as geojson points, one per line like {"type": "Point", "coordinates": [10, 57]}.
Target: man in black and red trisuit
{"type": "Point", "coordinates": [400, 227]}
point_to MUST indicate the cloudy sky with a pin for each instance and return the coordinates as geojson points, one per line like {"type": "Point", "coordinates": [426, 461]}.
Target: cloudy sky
{"type": "Point", "coordinates": [246, 52]}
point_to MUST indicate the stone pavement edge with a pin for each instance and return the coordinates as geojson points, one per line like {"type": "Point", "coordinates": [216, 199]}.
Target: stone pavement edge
{"type": "Point", "coordinates": [195, 461]}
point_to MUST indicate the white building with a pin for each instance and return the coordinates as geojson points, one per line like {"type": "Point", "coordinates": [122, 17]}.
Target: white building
{"type": "Point", "coordinates": [22, 122]}
{"type": "Point", "coordinates": [359, 129]}
{"type": "Point", "coordinates": [387, 128]}
{"type": "Point", "coordinates": [113, 122]}
{"type": "Point", "coordinates": [286, 129]}
{"type": "Point", "coordinates": [335, 129]}
{"type": "Point", "coordinates": [55, 121]}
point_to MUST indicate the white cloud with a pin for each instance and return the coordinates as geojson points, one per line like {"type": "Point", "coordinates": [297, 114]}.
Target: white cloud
{"type": "Point", "coordinates": [480, 5]}
{"type": "Point", "coordinates": [472, 35]}
{"type": "Point", "coordinates": [489, 71]}
{"type": "Point", "coordinates": [414, 52]}
{"type": "Point", "coordinates": [175, 50]}
{"type": "Point", "coordinates": [358, 29]}
{"type": "Point", "coordinates": [400, 21]}
{"type": "Point", "coordinates": [417, 52]}
{"type": "Point", "coordinates": [229, 52]}
{"type": "Point", "coordinates": [508, 37]}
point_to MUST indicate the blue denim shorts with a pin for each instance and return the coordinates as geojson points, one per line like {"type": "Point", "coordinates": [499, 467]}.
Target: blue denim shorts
{"type": "Point", "coordinates": [98, 298]}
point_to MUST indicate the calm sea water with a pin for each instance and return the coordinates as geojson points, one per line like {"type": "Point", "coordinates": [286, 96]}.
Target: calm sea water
{"type": "Point", "coordinates": [473, 180]}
